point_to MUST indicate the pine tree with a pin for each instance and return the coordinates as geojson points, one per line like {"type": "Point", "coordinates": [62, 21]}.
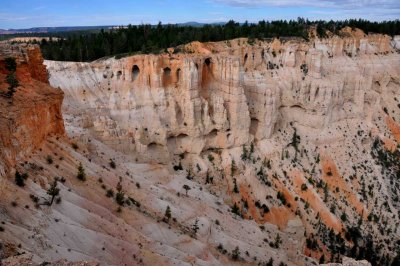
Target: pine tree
{"type": "Point", "coordinates": [11, 64]}
{"type": "Point", "coordinates": [53, 191]}
{"type": "Point", "coordinates": [187, 188]}
{"type": "Point", "coordinates": [81, 173]}
{"type": "Point", "coordinates": [195, 227]}
{"type": "Point", "coordinates": [120, 196]}
{"type": "Point", "coordinates": [235, 187]}
{"type": "Point", "coordinates": [244, 153]}
{"type": "Point", "coordinates": [168, 214]}
{"type": "Point", "coordinates": [233, 168]}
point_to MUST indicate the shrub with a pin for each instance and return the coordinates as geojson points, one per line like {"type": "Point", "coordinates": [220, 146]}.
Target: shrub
{"type": "Point", "coordinates": [120, 196]}
{"type": "Point", "coordinates": [135, 202]}
{"type": "Point", "coordinates": [189, 174]}
{"type": "Point", "coordinates": [235, 209]}
{"type": "Point", "coordinates": [304, 68]}
{"type": "Point", "coordinates": [112, 164]}
{"type": "Point", "coordinates": [265, 208]}
{"type": "Point", "coordinates": [110, 193]}
{"type": "Point", "coordinates": [34, 198]}
{"type": "Point", "coordinates": [281, 197]}
{"type": "Point", "coordinates": [195, 227]}
{"type": "Point", "coordinates": [49, 159]}
{"type": "Point", "coordinates": [178, 167]}
{"type": "Point", "coordinates": [74, 146]}
{"type": "Point", "coordinates": [236, 254]}
{"type": "Point", "coordinates": [277, 243]}
{"type": "Point", "coordinates": [20, 178]}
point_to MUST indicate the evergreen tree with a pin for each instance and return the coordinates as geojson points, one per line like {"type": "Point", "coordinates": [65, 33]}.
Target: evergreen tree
{"type": "Point", "coordinates": [53, 191]}
{"type": "Point", "coordinates": [195, 227]}
{"type": "Point", "coordinates": [235, 187]}
{"type": "Point", "coordinates": [167, 215]}
{"type": "Point", "coordinates": [187, 188]}
{"type": "Point", "coordinates": [120, 196]}
{"type": "Point", "coordinates": [81, 173]}
{"type": "Point", "coordinates": [233, 168]}
{"type": "Point", "coordinates": [91, 45]}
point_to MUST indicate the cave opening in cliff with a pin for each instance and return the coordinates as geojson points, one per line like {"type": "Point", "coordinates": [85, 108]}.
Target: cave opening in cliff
{"type": "Point", "coordinates": [206, 76]}
{"type": "Point", "coordinates": [119, 74]}
{"type": "Point", "coordinates": [245, 59]}
{"type": "Point", "coordinates": [135, 72]}
{"type": "Point", "coordinates": [178, 74]}
{"type": "Point", "coordinates": [166, 78]}
{"type": "Point", "coordinates": [253, 126]}
{"type": "Point", "coordinates": [175, 143]}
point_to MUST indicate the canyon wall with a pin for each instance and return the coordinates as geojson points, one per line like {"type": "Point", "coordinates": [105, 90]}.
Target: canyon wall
{"type": "Point", "coordinates": [223, 95]}
{"type": "Point", "coordinates": [289, 150]}
{"type": "Point", "coordinates": [33, 113]}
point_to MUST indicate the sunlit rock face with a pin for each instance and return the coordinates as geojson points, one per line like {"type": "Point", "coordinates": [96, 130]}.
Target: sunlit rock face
{"type": "Point", "coordinates": [302, 137]}
{"type": "Point", "coordinates": [223, 95]}
{"type": "Point", "coordinates": [34, 112]}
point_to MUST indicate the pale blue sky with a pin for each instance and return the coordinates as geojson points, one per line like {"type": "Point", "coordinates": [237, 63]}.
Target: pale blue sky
{"type": "Point", "coordinates": [40, 13]}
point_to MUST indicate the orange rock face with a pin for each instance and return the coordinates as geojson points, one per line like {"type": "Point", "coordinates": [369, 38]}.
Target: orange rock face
{"type": "Point", "coordinates": [394, 128]}
{"type": "Point", "coordinates": [337, 185]}
{"type": "Point", "coordinates": [32, 114]}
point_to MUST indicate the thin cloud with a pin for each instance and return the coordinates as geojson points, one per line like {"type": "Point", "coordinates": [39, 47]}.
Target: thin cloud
{"type": "Point", "coordinates": [347, 4]}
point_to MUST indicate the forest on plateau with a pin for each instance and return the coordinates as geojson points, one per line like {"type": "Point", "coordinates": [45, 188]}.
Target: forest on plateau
{"type": "Point", "coordinates": [123, 41]}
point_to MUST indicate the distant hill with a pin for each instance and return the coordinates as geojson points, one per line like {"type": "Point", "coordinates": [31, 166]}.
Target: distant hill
{"type": "Point", "coordinates": [197, 24]}
{"type": "Point", "coordinates": [83, 28]}
{"type": "Point", "coordinates": [52, 29]}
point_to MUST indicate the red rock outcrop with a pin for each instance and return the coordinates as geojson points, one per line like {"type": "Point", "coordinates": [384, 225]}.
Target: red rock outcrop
{"type": "Point", "coordinates": [34, 111]}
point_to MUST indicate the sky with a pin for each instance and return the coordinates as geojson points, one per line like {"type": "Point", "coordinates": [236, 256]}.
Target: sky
{"type": "Point", "coordinates": [51, 13]}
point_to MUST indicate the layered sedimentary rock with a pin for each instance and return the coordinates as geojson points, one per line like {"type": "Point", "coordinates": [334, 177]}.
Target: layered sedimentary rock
{"type": "Point", "coordinates": [33, 113]}
{"type": "Point", "coordinates": [289, 148]}
{"type": "Point", "coordinates": [299, 134]}
{"type": "Point", "coordinates": [223, 95]}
